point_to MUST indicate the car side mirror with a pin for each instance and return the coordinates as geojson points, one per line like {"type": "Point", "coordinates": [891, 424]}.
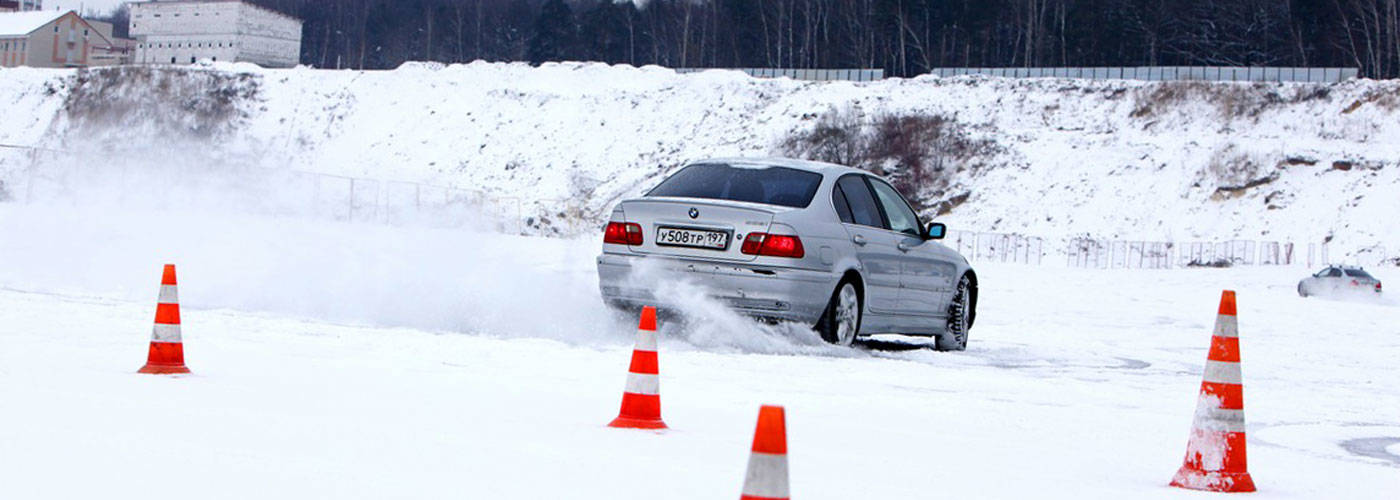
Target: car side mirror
{"type": "Point", "coordinates": [935, 231]}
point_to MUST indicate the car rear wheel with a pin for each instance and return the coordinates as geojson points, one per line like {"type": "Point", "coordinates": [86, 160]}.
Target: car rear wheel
{"type": "Point", "coordinates": [954, 337]}
{"type": "Point", "coordinates": [841, 321]}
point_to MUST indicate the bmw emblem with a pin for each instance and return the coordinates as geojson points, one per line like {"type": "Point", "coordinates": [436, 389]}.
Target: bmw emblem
{"type": "Point", "coordinates": [694, 213]}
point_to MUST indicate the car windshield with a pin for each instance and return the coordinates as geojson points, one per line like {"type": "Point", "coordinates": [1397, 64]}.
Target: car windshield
{"type": "Point", "coordinates": [1357, 273]}
{"type": "Point", "coordinates": [787, 187]}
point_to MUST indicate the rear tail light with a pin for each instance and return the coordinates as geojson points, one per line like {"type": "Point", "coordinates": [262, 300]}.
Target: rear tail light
{"type": "Point", "coordinates": [773, 245]}
{"type": "Point", "coordinates": [623, 233]}
{"type": "Point", "coordinates": [1378, 287]}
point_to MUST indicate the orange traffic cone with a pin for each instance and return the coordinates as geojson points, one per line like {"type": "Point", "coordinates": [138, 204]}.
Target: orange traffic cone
{"type": "Point", "coordinates": [641, 400]}
{"type": "Point", "coordinates": [767, 478]}
{"type": "Point", "coordinates": [167, 354]}
{"type": "Point", "coordinates": [1215, 457]}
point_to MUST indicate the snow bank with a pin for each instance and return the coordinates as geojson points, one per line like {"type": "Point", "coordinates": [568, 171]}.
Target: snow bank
{"type": "Point", "coordinates": [1109, 159]}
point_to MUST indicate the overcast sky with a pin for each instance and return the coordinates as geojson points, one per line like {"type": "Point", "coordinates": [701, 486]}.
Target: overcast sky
{"type": "Point", "coordinates": [82, 5]}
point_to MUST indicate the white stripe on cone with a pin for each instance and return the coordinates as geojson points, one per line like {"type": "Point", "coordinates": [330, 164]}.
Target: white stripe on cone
{"type": "Point", "coordinates": [1210, 418]}
{"type": "Point", "coordinates": [646, 341]}
{"type": "Point", "coordinates": [767, 476]}
{"type": "Point", "coordinates": [641, 383]}
{"type": "Point", "coordinates": [1227, 326]}
{"type": "Point", "coordinates": [165, 333]}
{"type": "Point", "coordinates": [1223, 372]}
{"type": "Point", "coordinates": [168, 295]}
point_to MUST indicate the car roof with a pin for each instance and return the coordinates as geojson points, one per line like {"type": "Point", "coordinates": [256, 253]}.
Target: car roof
{"type": "Point", "coordinates": [828, 169]}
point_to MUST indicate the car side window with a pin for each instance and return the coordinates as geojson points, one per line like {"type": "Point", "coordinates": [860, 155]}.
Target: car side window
{"type": "Point", "coordinates": [1334, 273]}
{"type": "Point", "coordinates": [864, 210]}
{"type": "Point", "coordinates": [902, 218]}
{"type": "Point", "coordinates": [843, 209]}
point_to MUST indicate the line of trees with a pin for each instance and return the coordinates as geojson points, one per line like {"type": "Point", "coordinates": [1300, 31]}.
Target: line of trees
{"type": "Point", "coordinates": [904, 37]}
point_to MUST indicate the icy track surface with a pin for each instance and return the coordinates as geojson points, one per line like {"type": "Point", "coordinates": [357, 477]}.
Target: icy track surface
{"type": "Point", "coordinates": [341, 361]}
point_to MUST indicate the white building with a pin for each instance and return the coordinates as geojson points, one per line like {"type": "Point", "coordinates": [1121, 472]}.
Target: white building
{"type": "Point", "coordinates": [186, 31]}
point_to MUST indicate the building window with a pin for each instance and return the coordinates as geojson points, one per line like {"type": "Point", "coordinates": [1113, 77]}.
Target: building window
{"type": "Point", "coordinates": [172, 60]}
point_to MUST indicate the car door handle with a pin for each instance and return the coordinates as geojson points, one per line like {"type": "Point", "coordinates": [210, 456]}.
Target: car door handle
{"type": "Point", "coordinates": [858, 240]}
{"type": "Point", "coordinates": [903, 247]}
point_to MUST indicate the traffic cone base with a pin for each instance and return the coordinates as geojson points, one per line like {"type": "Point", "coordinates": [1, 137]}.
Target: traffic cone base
{"type": "Point", "coordinates": [637, 423]}
{"type": "Point", "coordinates": [163, 369]}
{"type": "Point", "coordinates": [1226, 482]}
{"type": "Point", "coordinates": [165, 358]}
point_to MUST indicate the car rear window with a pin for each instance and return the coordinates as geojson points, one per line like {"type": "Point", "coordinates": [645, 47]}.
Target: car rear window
{"type": "Point", "coordinates": [1357, 273]}
{"type": "Point", "coordinates": [788, 187]}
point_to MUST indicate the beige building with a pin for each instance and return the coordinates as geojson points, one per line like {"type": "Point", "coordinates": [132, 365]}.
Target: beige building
{"type": "Point", "coordinates": [48, 39]}
{"type": "Point", "coordinates": [186, 31]}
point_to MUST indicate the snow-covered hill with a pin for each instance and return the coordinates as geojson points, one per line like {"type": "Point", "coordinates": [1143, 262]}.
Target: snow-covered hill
{"type": "Point", "coordinates": [1109, 159]}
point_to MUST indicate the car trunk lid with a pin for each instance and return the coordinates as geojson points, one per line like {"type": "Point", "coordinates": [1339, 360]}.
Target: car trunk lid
{"type": "Point", "coordinates": [733, 219]}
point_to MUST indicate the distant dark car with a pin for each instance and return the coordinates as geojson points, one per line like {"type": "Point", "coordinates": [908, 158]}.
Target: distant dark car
{"type": "Point", "coordinates": [1339, 279]}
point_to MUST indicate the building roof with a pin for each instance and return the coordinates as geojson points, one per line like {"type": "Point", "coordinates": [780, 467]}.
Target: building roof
{"type": "Point", "coordinates": [24, 23]}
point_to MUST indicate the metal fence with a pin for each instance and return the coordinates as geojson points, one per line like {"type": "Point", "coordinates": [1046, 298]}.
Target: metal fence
{"type": "Point", "coordinates": [997, 247]}
{"type": "Point", "coordinates": [817, 75]}
{"type": "Point", "coordinates": [1120, 254]}
{"type": "Point", "coordinates": [1167, 73]}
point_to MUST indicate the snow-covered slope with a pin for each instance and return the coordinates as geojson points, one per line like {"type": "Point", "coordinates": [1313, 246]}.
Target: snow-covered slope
{"type": "Point", "coordinates": [1110, 159]}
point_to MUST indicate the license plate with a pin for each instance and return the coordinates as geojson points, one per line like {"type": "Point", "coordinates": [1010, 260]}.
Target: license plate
{"type": "Point", "coordinates": [677, 237]}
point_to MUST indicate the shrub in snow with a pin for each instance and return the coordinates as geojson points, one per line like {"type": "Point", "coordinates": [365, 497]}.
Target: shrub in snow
{"type": "Point", "coordinates": [919, 152]}
{"type": "Point", "coordinates": [162, 102]}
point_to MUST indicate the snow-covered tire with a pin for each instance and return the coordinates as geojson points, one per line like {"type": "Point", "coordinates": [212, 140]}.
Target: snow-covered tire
{"type": "Point", "coordinates": [1301, 291]}
{"type": "Point", "coordinates": [960, 313]}
{"type": "Point", "coordinates": [840, 323]}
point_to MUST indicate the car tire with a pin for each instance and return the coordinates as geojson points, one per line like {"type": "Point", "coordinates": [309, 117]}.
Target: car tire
{"type": "Point", "coordinates": [840, 323]}
{"type": "Point", "coordinates": [954, 337]}
{"type": "Point", "coordinates": [1302, 292]}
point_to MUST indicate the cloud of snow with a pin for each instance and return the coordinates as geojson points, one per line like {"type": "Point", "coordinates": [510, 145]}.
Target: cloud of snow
{"type": "Point", "coordinates": [707, 323]}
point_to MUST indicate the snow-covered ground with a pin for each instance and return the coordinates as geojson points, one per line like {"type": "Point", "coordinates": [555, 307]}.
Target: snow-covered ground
{"type": "Point", "coordinates": [370, 360]}
{"type": "Point", "coordinates": [1153, 161]}
{"type": "Point", "coordinates": [347, 361]}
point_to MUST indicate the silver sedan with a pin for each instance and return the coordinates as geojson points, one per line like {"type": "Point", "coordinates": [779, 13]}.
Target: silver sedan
{"type": "Point", "coordinates": [1335, 280]}
{"type": "Point", "coordinates": [820, 244]}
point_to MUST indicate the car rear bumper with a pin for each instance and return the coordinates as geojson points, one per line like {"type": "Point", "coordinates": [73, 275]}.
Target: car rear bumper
{"type": "Point", "coordinates": [776, 293]}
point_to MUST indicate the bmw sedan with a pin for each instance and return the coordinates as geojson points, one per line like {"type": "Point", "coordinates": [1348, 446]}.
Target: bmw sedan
{"type": "Point", "coordinates": [788, 240]}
